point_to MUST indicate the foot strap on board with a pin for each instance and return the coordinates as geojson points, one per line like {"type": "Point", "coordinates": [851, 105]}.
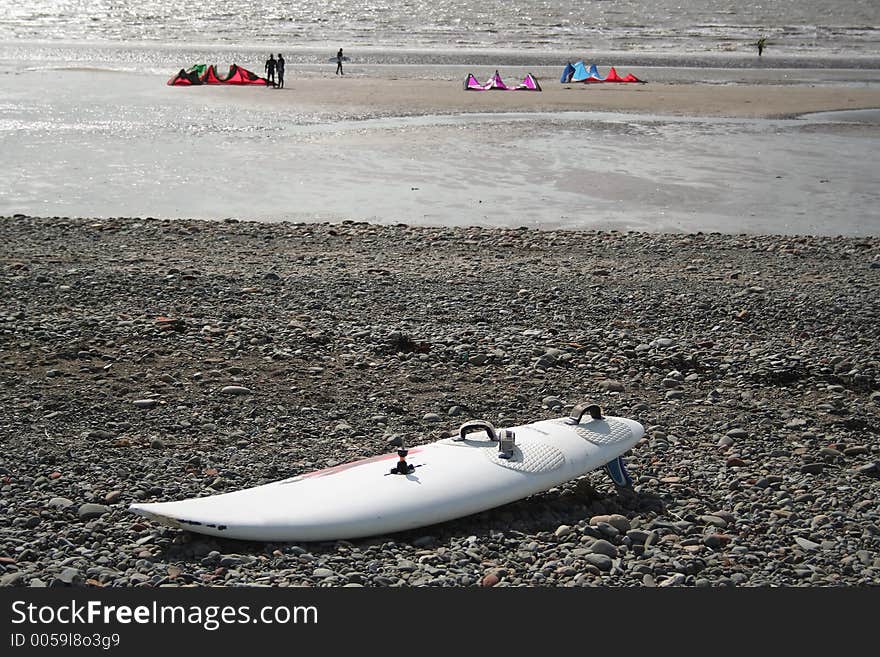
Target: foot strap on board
{"type": "Point", "coordinates": [473, 426]}
{"type": "Point", "coordinates": [578, 412]}
{"type": "Point", "coordinates": [617, 471]}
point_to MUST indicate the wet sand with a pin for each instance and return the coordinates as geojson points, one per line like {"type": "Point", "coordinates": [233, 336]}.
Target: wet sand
{"type": "Point", "coordinates": [391, 144]}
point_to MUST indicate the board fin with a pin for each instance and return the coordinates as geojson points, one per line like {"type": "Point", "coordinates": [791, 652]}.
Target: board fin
{"type": "Point", "coordinates": [616, 469]}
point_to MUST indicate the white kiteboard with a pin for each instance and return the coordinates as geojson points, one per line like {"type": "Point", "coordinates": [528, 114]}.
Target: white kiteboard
{"type": "Point", "coordinates": [480, 468]}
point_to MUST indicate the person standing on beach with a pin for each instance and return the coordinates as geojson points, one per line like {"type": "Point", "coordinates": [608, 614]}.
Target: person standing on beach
{"type": "Point", "coordinates": [339, 63]}
{"type": "Point", "coordinates": [279, 66]}
{"type": "Point", "coordinates": [761, 43]}
{"type": "Point", "coordinates": [270, 69]}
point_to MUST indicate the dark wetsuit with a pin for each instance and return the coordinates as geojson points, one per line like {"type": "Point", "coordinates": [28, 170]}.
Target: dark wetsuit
{"type": "Point", "coordinates": [279, 67]}
{"type": "Point", "coordinates": [270, 71]}
{"type": "Point", "coordinates": [339, 63]}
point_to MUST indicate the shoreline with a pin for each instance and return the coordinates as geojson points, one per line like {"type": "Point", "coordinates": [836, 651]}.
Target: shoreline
{"type": "Point", "coordinates": [451, 56]}
{"type": "Point", "coordinates": [752, 361]}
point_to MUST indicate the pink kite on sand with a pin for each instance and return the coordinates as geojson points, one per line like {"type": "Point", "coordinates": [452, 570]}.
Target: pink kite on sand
{"type": "Point", "coordinates": [495, 83]}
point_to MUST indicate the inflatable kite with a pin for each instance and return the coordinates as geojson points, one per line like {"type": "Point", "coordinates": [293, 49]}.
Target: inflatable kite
{"type": "Point", "coordinates": [580, 73]}
{"type": "Point", "coordinates": [202, 74]}
{"type": "Point", "coordinates": [495, 83]}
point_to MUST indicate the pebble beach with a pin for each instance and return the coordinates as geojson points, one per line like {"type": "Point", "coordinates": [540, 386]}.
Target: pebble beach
{"type": "Point", "coordinates": [154, 360]}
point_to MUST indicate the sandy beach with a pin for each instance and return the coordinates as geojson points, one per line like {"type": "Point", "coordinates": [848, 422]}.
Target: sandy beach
{"type": "Point", "coordinates": [368, 96]}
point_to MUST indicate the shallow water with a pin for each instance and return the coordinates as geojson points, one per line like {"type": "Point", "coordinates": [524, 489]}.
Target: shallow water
{"type": "Point", "coordinates": [72, 148]}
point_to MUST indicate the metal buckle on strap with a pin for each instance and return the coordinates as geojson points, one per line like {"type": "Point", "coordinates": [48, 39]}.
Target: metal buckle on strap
{"type": "Point", "coordinates": [506, 442]}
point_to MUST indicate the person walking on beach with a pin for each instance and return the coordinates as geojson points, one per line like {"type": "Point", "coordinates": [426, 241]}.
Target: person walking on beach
{"type": "Point", "coordinates": [279, 67]}
{"type": "Point", "coordinates": [339, 63]}
{"type": "Point", "coordinates": [270, 69]}
{"type": "Point", "coordinates": [761, 43]}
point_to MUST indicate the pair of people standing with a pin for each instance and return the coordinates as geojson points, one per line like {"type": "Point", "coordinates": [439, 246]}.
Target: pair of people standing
{"type": "Point", "coordinates": [275, 67]}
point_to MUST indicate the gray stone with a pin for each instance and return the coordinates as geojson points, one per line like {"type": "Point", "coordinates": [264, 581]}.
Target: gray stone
{"type": "Point", "coordinates": [145, 403]}
{"type": "Point", "coordinates": [607, 530]}
{"type": "Point", "coordinates": [869, 469]}
{"type": "Point", "coordinates": [60, 503]}
{"type": "Point", "coordinates": [113, 497]}
{"type": "Point", "coordinates": [806, 544]}
{"type": "Point", "coordinates": [715, 541]}
{"type": "Point", "coordinates": [89, 511]}
{"type": "Point", "coordinates": [562, 531]}
{"type": "Point", "coordinates": [600, 561]}
{"type": "Point", "coordinates": [11, 579]}
{"type": "Point", "coordinates": [601, 546]}
{"type": "Point", "coordinates": [618, 521]}
{"type": "Point", "coordinates": [637, 536]}
{"type": "Point", "coordinates": [546, 361]}
{"type": "Point", "coordinates": [235, 390]}
{"type": "Point", "coordinates": [713, 520]}
{"type": "Point", "coordinates": [676, 579]}
{"type": "Point", "coordinates": [69, 576]}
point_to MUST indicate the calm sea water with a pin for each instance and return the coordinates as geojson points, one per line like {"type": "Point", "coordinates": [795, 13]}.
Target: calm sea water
{"type": "Point", "coordinates": [806, 27]}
